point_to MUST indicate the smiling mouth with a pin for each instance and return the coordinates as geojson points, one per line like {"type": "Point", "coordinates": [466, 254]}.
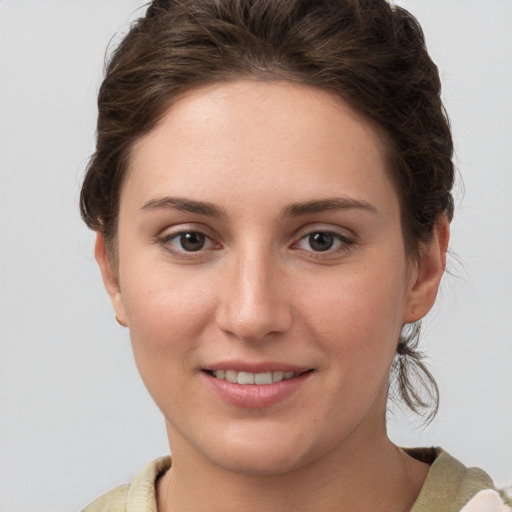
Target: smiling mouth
{"type": "Point", "coordinates": [259, 379]}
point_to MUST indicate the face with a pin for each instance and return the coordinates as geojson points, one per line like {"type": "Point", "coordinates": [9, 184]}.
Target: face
{"type": "Point", "coordinates": [262, 272]}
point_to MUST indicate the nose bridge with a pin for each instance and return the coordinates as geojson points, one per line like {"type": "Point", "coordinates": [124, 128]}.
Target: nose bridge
{"type": "Point", "coordinates": [254, 303]}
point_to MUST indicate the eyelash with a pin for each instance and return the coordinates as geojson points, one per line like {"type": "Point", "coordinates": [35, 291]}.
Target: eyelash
{"type": "Point", "coordinates": [342, 243]}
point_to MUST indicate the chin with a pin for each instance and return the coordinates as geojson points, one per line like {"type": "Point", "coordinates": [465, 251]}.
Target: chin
{"type": "Point", "coordinates": [260, 462]}
{"type": "Point", "coordinates": [269, 454]}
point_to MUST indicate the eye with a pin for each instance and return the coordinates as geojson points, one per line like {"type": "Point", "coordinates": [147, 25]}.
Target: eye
{"type": "Point", "coordinates": [323, 241]}
{"type": "Point", "coordinates": [185, 242]}
{"type": "Point", "coordinates": [190, 242]}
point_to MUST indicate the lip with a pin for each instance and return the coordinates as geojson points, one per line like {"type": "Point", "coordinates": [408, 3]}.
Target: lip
{"type": "Point", "coordinates": [254, 396]}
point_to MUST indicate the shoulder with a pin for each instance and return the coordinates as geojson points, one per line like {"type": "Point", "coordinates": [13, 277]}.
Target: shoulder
{"type": "Point", "coordinates": [140, 495]}
{"type": "Point", "coordinates": [452, 487]}
{"type": "Point", "coordinates": [112, 501]}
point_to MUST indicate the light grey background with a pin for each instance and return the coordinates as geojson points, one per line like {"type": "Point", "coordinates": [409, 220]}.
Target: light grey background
{"type": "Point", "coordinates": [75, 419]}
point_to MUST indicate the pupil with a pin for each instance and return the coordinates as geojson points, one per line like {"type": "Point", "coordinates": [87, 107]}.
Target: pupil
{"type": "Point", "coordinates": [321, 241]}
{"type": "Point", "coordinates": [192, 241]}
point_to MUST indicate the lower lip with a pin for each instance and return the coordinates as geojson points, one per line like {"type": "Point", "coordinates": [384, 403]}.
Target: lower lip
{"type": "Point", "coordinates": [254, 396]}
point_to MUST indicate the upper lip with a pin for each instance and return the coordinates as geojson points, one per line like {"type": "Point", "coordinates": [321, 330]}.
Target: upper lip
{"type": "Point", "coordinates": [262, 367]}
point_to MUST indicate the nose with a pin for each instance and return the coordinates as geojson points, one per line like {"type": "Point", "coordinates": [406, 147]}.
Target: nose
{"type": "Point", "coordinates": [254, 302]}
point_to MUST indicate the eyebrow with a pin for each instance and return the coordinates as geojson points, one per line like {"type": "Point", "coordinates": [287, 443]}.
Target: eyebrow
{"type": "Point", "coordinates": [322, 205]}
{"type": "Point", "coordinates": [292, 210]}
{"type": "Point", "coordinates": [185, 205]}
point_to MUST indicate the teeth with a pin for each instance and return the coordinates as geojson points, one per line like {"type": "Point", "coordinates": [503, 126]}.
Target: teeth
{"type": "Point", "coordinates": [245, 378]}
{"type": "Point", "coordinates": [230, 375]}
{"type": "Point", "coordinates": [253, 378]}
{"type": "Point", "coordinates": [277, 376]}
{"type": "Point", "coordinates": [263, 378]}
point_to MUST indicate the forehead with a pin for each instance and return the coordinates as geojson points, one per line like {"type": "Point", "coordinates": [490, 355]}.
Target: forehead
{"type": "Point", "coordinates": [259, 134]}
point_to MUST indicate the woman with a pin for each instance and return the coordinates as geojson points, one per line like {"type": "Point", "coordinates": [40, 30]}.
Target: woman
{"type": "Point", "coordinates": [271, 196]}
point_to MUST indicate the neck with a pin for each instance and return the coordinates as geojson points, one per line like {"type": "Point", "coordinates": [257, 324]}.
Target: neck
{"type": "Point", "coordinates": [376, 476]}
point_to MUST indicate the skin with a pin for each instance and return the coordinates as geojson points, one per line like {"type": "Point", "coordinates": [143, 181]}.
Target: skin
{"type": "Point", "coordinates": [264, 158]}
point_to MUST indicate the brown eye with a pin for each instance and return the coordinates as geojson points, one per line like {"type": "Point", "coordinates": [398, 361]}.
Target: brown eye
{"type": "Point", "coordinates": [191, 242]}
{"type": "Point", "coordinates": [321, 242]}
{"type": "Point", "coordinates": [329, 242]}
{"type": "Point", "coordinates": [185, 242]}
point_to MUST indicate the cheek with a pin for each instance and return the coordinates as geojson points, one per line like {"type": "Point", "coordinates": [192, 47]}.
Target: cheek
{"type": "Point", "coordinates": [359, 313]}
{"type": "Point", "coordinates": [167, 322]}
{"type": "Point", "coordinates": [167, 312]}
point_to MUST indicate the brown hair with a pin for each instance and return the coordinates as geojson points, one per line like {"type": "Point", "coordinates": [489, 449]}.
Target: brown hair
{"type": "Point", "coordinates": [370, 53]}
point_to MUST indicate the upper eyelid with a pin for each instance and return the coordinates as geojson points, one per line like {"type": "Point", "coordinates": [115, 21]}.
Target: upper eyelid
{"type": "Point", "coordinates": [342, 231]}
{"type": "Point", "coordinates": [170, 231]}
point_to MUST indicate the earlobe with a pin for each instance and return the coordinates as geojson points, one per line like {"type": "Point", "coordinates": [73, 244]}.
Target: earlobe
{"type": "Point", "coordinates": [430, 269]}
{"type": "Point", "coordinates": [110, 278]}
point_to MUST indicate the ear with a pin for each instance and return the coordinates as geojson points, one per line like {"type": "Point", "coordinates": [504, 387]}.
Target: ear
{"type": "Point", "coordinates": [110, 278]}
{"type": "Point", "coordinates": [427, 275]}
